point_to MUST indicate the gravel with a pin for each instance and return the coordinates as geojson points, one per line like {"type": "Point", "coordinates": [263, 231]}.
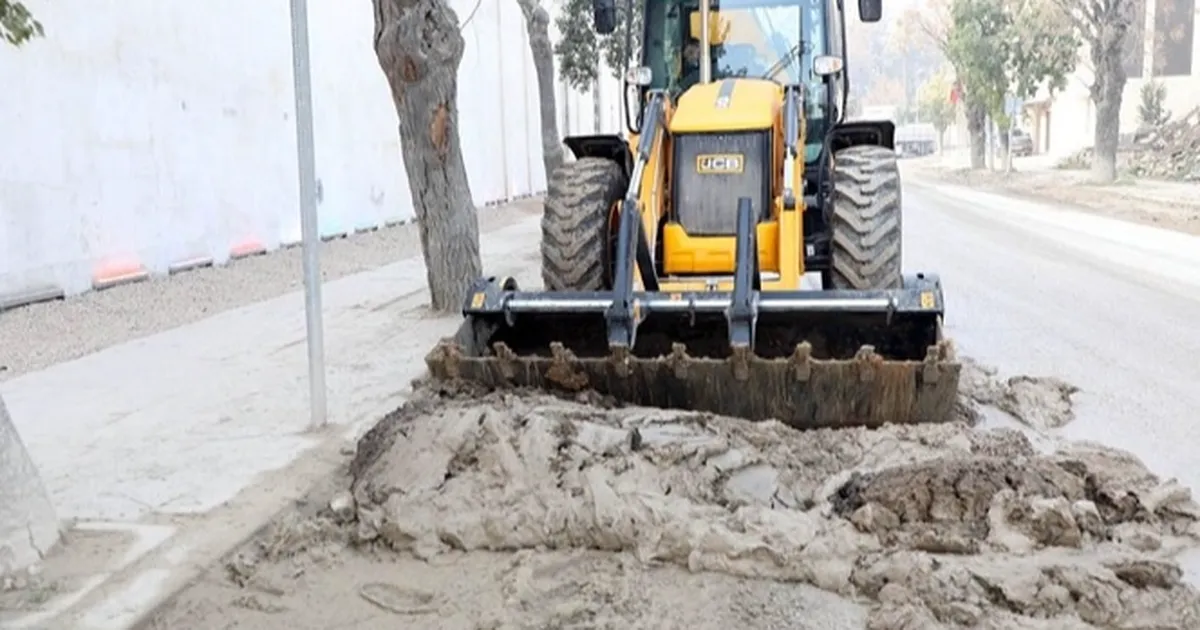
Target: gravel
{"type": "Point", "coordinates": [42, 335]}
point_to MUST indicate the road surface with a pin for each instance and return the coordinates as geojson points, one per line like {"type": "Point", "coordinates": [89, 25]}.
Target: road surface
{"type": "Point", "coordinates": [1111, 307]}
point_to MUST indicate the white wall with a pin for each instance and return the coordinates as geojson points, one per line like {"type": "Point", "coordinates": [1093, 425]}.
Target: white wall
{"type": "Point", "coordinates": [143, 133]}
{"type": "Point", "coordinates": [1073, 114]}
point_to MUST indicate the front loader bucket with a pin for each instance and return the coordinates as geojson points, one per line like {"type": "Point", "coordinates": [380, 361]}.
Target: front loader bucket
{"type": "Point", "coordinates": [808, 369]}
{"type": "Point", "coordinates": [810, 359]}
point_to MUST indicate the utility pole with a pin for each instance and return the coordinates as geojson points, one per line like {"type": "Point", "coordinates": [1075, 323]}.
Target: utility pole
{"type": "Point", "coordinates": [307, 168]}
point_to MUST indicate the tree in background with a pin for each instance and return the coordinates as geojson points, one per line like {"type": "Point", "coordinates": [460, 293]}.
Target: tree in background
{"type": "Point", "coordinates": [419, 48]}
{"type": "Point", "coordinates": [1171, 33]}
{"type": "Point", "coordinates": [914, 58]}
{"type": "Point", "coordinates": [537, 27]}
{"type": "Point", "coordinates": [887, 60]}
{"type": "Point", "coordinates": [1152, 111]}
{"type": "Point", "coordinates": [935, 105]}
{"type": "Point", "coordinates": [936, 20]}
{"type": "Point", "coordinates": [17, 24]}
{"type": "Point", "coordinates": [580, 50]}
{"type": "Point", "coordinates": [28, 522]}
{"type": "Point", "coordinates": [884, 90]}
{"type": "Point", "coordinates": [1002, 49]}
{"type": "Point", "coordinates": [1042, 50]}
{"type": "Point", "coordinates": [1104, 26]}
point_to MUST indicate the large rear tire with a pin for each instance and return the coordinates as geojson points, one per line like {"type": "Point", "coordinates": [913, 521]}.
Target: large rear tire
{"type": "Point", "coordinates": [575, 224]}
{"type": "Point", "coordinates": [865, 221]}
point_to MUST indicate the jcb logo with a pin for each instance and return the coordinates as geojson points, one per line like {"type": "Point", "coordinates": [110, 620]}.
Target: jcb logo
{"type": "Point", "coordinates": [720, 164]}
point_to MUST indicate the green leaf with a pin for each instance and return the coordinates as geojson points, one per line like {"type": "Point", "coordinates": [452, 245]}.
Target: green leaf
{"type": "Point", "coordinates": [17, 25]}
{"type": "Point", "coordinates": [933, 101]}
{"type": "Point", "coordinates": [1009, 47]}
{"type": "Point", "coordinates": [580, 50]}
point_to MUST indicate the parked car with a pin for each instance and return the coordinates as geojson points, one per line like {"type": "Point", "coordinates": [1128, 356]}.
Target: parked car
{"type": "Point", "coordinates": [1022, 143]}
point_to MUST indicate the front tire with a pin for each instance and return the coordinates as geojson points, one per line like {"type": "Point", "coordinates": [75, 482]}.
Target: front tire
{"type": "Point", "coordinates": [866, 219]}
{"type": "Point", "coordinates": [575, 224]}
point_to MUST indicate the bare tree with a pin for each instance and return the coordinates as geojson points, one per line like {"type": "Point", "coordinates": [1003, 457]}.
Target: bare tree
{"type": "Point", "coordinates": [537, 27]}
{"type": "Point", "coordinates": [419, 48]}
{"type": "Point", "coordinates": [28, 523]}
{"type": "Point", "coordinates": [1103, 25]}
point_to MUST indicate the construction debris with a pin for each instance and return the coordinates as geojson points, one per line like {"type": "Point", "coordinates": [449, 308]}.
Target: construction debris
{"type": "Point", "coordinates": [515, 509]}
{"type": "Point", "coordinates": [937, 525]}
{"type": "Point", "coordinates": [1170, 152]}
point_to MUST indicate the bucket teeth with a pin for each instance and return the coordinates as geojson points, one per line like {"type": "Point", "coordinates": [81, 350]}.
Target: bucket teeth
{"type": "Point", "coordinates": [619, 357]}
{"type": "Point", "coordinates": [795, 374]}
{"type": "Point", "coordinates": [678, 360]}
{"type": "Point", "coordinates": [802, 362]}
{"type": "Point", "coordinates": [563, 370]}
{"type": "Point", "coordinates": [447, 355]}
{"type": "Point", "coordinates": [740, 359]}
{"type": "Point", "coordinates": [868, 363]}
{"type": "Point", "coordinates": [931, 366]}
{"type": "Point", "coordinates": [506, 359]}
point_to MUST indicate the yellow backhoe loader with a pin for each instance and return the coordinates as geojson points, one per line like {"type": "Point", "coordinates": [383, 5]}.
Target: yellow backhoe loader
{"type": "Point", "coordinates": [674, 256]}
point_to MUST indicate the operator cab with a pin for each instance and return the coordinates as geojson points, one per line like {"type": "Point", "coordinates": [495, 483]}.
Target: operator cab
{"type": "Point", "coordinates": [775, 40]}
{"type": "Point", "coordinates": [727, 78]}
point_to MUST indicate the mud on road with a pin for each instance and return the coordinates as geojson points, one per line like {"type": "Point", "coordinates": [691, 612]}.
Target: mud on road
{"type": "Point", "coordinates": [521, 510]}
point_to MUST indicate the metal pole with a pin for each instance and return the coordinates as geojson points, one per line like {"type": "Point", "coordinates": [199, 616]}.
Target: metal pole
{"type": "Point", "coordinates": [705, 52]}
{"type": "Point", "coordinates": [301, 76]}
{"type": "Point", "coordinates": [1008, 156]}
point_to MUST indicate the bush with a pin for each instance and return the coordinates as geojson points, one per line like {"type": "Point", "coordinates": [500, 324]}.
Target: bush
{"type": "Point", "coordinates": [1152, 111]}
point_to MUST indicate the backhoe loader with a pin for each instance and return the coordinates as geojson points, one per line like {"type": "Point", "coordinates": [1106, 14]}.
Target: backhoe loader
{"type": "Point", "coordinates": [675, 255]}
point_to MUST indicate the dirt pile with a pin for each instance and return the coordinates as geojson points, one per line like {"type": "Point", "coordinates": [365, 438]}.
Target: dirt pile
{"type": "Point", "coordinates": [1170, 152]}
{"type": "Point", "coordinates": [939, 526]}
{"type": "Point", "coordinates": [1039, 402]}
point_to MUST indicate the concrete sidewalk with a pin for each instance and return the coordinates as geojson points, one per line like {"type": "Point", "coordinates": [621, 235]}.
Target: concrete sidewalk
{"type": "Point", "coordinates": [1159, 191]}
{"type": "Point", "coordinates": [1170, 205]}
{"type": "Point", "coordinates": [170, 449]}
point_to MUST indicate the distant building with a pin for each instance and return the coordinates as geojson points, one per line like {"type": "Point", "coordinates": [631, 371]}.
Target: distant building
{"type": "Point", "coordinates": [1165, 48]}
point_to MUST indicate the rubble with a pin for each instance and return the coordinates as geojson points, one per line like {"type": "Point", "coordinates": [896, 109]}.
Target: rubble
{"type": "Point", "coordinates": [472, 509]}
{"type": "Point", "coordinates": [938, 526]}
{"type": "Point", "coordinates": [1169, 152]}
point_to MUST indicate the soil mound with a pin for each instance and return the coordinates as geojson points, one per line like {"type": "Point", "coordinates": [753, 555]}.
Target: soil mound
{"type": "Point", "coordinates": [939, 525]}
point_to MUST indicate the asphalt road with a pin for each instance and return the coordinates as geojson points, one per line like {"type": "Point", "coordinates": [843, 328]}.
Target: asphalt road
{"type": "Point", "coordinates": [1112, 307]}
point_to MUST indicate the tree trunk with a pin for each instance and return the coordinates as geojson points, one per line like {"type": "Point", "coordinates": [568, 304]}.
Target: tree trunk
{"type": "Point", "coordinates": [419, 47]}
{"type": "Point", "coordinates": [537, 27]}
{"type": "Point", "coordinates": [1107, 87]}
{"type": "Point", "coordinates": [977, 129]}
{"type": "Point", "coordinates": [1005, 154]}
{"type": "Point", "coordinates": [28, 523]}
{"type": "Point", "coordinates": [1107, 97]}
{"type": "Point", "coordinates": [1104, 157]}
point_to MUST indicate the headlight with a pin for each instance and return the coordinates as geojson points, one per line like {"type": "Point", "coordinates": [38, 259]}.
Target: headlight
{"type": "Point", "coordinates": [827, 65]}
{"type": "Point", "coordinates": [640, 76]}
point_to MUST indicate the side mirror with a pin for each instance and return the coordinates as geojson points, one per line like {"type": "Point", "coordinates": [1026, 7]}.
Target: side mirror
{"type": "Point", "coordinates": [604, 16]}
{"type": "Point", "coordinates": [869, 10]}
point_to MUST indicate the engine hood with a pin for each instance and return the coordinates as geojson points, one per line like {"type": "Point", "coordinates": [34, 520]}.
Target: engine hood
{"type": "Point", "coordinates": [727, 105]}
